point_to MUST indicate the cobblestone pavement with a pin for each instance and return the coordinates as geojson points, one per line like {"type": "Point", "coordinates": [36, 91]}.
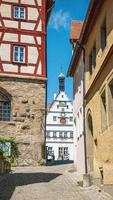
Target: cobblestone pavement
{"type": "Point", "coordinates": [46, 183]}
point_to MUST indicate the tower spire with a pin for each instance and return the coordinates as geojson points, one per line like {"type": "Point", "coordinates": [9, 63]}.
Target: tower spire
{"type": "Point", "coordinates": [61, 82]}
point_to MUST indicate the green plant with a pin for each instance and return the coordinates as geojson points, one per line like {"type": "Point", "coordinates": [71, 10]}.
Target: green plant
{"type": "Point", "coordinates": [14, 149]}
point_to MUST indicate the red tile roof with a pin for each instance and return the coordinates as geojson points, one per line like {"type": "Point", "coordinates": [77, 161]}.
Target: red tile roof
{"type": "Point", "coordinates": [76, 27]}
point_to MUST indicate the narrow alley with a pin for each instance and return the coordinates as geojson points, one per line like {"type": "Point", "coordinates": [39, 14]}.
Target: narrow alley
{"type": "Point", "coordinates": [46, 183]}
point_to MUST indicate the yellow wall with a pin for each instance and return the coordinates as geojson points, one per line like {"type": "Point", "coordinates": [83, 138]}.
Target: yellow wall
{"type": "Point", "coordinates": [103, 151]}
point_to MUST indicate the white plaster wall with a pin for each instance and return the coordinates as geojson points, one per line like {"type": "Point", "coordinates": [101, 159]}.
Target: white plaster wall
{"type": "Point", "coordinates": [27, 26]}
{"type": "Point", "coordinates": [10, 24]}
{"type": "Point", "coordinates": [58, 127]}
{"type": "Point", "coordinates": [27, 39]}
{"type": "Point", "coordinates": [10, 68]}
{"type": "Point", "coordinates": [32, 14]}
{"type": "Point", "coordinates": [10, 37]}
{"type": "Point", "coordinates": [4, 8]}
{"type": "Point", "coordinates": [39, 2]}
{"type": "Point", "coordinates": [28, 70]}
{"type": "Point", "coordinates": [39, 26]}
{"type": "Point", "coordinates": [78, 116]}
{"type": "Point", "coordinates": [12, 1]}
{"type": "Point", "coordinates": [33, 55]}
{"type": "Point", "coordinates": [5, 52]}
{"type": "Point", "coordinates": [30, 2]}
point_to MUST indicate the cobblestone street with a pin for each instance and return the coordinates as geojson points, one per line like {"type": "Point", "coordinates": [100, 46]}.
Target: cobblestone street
{"type": "Point", "coordinates": [46, 183]}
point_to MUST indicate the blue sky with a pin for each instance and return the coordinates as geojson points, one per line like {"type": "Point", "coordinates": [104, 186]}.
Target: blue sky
{"type": "Point", "coordinates": [59, 50]}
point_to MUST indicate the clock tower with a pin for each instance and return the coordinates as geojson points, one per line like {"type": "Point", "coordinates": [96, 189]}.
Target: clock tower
{"type": "Point", "coordinates": [59, 125]}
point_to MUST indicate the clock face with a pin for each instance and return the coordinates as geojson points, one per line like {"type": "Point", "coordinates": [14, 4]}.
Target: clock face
{"type": "Point", "coordinates": [62, 120]}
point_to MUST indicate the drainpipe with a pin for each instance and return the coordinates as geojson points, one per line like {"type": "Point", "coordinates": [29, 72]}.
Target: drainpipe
{"type": "Point", "coordinates": [86, 176]}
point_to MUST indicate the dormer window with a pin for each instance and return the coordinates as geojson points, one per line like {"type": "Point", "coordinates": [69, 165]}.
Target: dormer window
{"type": "Point", "coordinates": [19, 12]}
{"type": "Point", "coordinates": [19, 54]}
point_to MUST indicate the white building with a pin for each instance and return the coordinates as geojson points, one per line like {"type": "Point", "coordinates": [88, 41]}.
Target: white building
{"type": "Point", "coordinates": [59, 125]}
{"type": "Point", "coordinates": [76, 71]}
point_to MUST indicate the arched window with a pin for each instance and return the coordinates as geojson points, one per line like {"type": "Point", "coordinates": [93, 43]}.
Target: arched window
{"type": "Point", "coordinates": [90, 123]}
{"type": "Point", "coordinates": [5, 107]}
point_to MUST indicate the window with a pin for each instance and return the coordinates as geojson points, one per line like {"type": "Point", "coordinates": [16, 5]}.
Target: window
{"type": "Point", "coordinates": [103, 111]}
{"type": "Point", "coordinates": [62, 103]}
{"type": "Point", "coordinates": [65, 134]}
{"type": "Point", "coordinates": [92, 59]}
{"type": "Point", "coordinates": [63, 151]}
{"type": "Point", "coordinates": [71, 119]}
{"type": "Point", "coordinates": [71, 134]}
{"type": "Point", "coordinates": [103, 35]}
{"type": "Point", "coordinates": [50, 150]}
{"type": "Point", "coordinates": [60, 134]}
{"type": "Point", "coordinates": [5, 108]}
{"type": "Point", "coordinates": [90, 123]}
{"type": "Point", "coordinates": [57, 106]}
{"type": "Point", "coordinates": [19, 54]}
{"type": "Point", "coordinates": [110, 102]}
{"type": "Point", "coordinates": [19, 12]}
{"type": "Point", "coordinates": [54, 118]}
{"type": "Point", "coordinates": [60, 151]}
{"type": "Point", "coordinates": [54, 134]}
{"type": "Point", "coordinates": [48, 134]}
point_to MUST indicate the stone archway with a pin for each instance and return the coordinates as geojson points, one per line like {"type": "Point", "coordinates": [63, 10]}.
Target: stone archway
{"type": "Point", "coordinates": [90, 142]}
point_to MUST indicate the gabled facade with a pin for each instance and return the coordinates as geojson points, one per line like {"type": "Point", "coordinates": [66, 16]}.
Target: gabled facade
{"type": "Point", "coordinates": [23, 75]}
{"type": "Point", "coordinates": [59, 126]}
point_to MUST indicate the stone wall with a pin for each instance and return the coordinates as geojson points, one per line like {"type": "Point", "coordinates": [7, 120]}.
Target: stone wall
{"type": "Point", "coordinates": [27, 118]}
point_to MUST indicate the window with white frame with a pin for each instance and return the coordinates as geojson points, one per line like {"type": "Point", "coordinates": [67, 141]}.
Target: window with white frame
{"type": "Point", "coordinates": [19, 54]}
{"type": "Point", "coordinates": [19, 12]}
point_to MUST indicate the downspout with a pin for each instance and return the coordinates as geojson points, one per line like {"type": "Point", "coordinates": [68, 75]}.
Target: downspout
{"type": "Point", "coordinates": [84, 121]}
{"type": "Point", "coordinates": [84, 103]}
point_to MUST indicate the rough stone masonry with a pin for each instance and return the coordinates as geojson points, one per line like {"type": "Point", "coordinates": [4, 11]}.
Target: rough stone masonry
{"type": "Point", "coordinates": [27, 118]}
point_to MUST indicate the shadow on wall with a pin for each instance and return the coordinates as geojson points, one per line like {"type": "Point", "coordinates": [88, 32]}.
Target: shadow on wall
{"type": "Point", "coordinates": [9, 184]}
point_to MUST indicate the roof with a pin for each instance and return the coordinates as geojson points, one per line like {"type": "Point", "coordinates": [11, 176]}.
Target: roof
{"type": "Point", "coordinates": [90, 19]}
{"type": "Point", "coordinates": [76, 27]}
{"type": "Point", "coordinates": [61, 76]}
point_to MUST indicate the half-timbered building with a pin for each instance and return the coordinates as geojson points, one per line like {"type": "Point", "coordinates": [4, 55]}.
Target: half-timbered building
{"type": "Point", "coordinates": [23, 75]}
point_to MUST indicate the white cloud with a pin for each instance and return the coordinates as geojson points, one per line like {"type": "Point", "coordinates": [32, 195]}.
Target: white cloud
{"type": "Point", "coordinates": [60, 19]}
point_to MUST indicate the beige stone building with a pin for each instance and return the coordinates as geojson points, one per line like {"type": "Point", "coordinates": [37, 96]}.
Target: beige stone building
{"type": "Point", "coordinates": [23, 75]}
{"type": "Point", "coordinates": [96, 41]}
{"type": "Point", "coordinates": [97, 38]}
